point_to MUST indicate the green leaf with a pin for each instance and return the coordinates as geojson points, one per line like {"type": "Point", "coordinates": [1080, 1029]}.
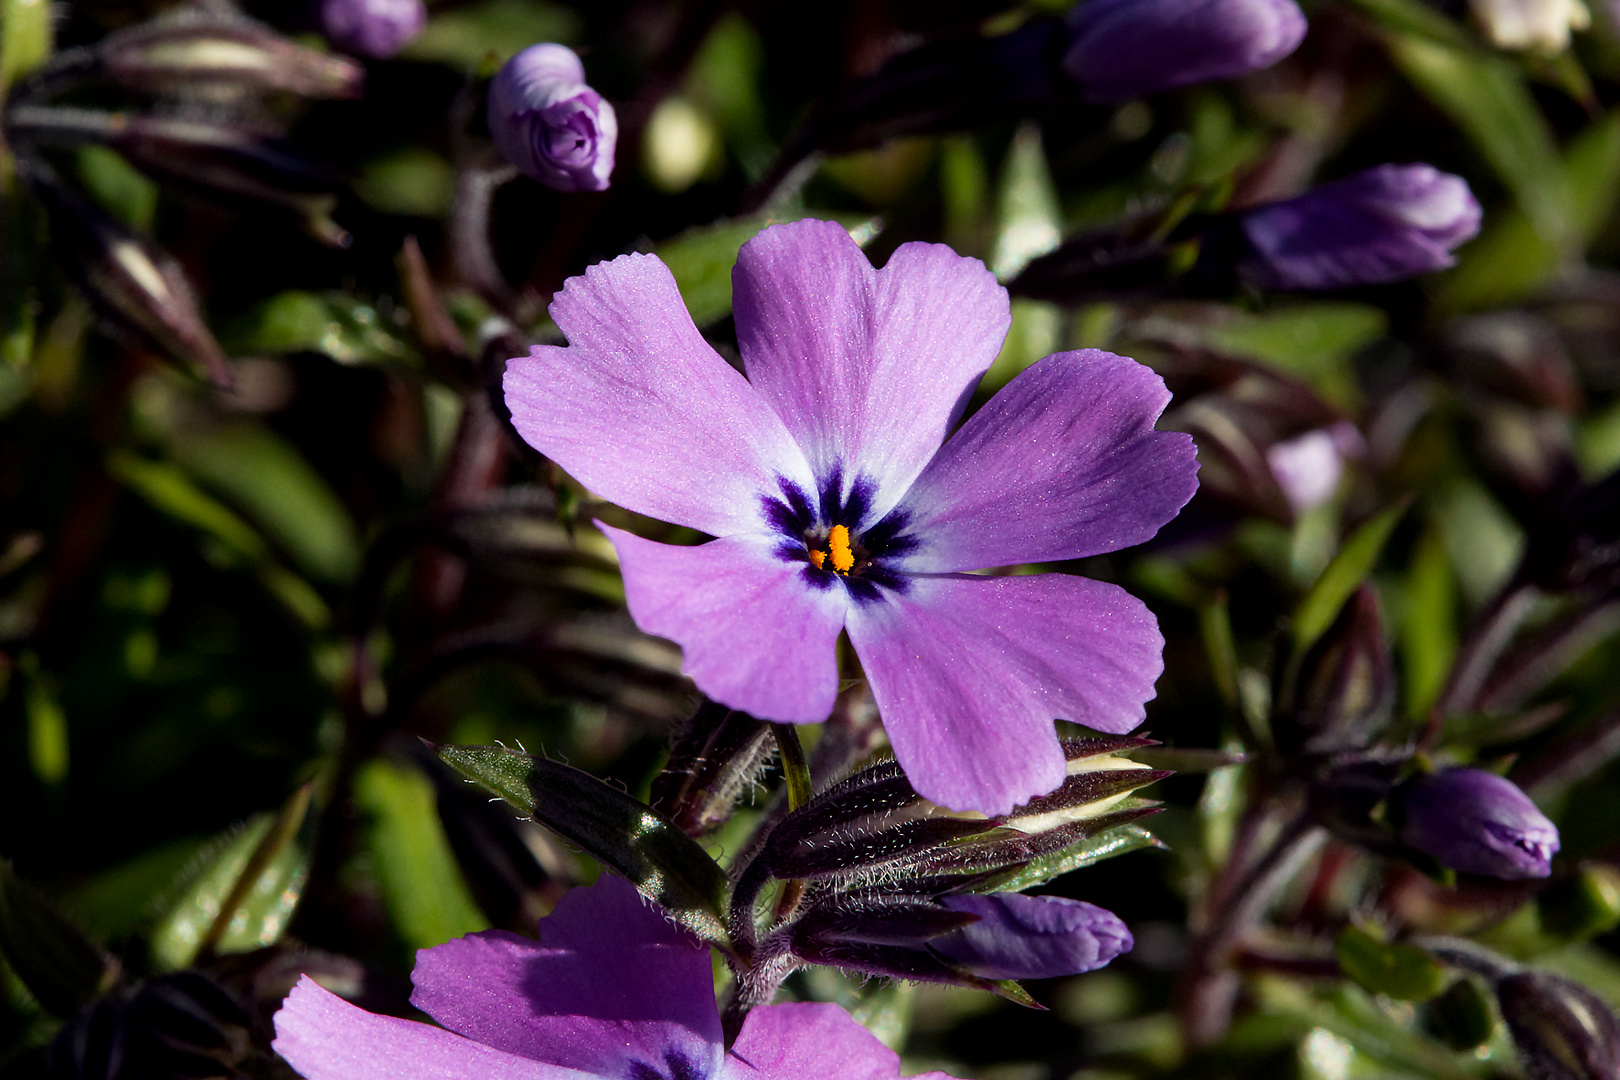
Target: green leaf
{"type": "Point", "coordinates": [172, 492]}
{"type": "Point", "coordinates": [665, 864]}
{"type": "Point", "coordinates": [1416, 17]}
{"type": "Point", "coordinates": [1512, 258]}
{"type": "Point", "coordinates": [1489, 98]}
{"type": "Point", "coordinates": [59, 965]}
{"type": "Point", "coordinates": [421, 884]}
{"type": "Point", "coordinates": [1340, 578]}
{"type": "Point", "coordinates": [25, 38]}
{"type": "Point", "coordinates": [118, 186]}
{"type": "Point", "coordinates": [242, 898]}
{"type": "Point", "coordinates": [272, 483]}
{"type": "Point", "coordinates": [412, 181]}
{"type": "Point", "coordinates": [1400, 971]}
{"type": "Point", "coordinates": [336, 325]}
{"type": "Point", "coordinates": [1029, 222]}
{"type": "Point", "coordinates": [1428, 624]}
{"type": "Point", "coordinates": [1314, 341]}
{"type": "Point", "coordinates": [1105, 845]}
{"type": "Point", "coordinates": [464, 35]}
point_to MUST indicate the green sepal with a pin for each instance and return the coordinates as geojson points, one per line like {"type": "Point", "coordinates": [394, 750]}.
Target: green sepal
{"type": "Point", "coordinates": [61, 967]}
{"type": "Point", "coordinates": [1398, 971]}
{"type": "Point", "coordinates": [625, 834]}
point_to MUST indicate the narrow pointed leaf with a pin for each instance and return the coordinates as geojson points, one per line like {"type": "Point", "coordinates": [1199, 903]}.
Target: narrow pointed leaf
{"type": "Point", "coordinates": [1339, 579]}
{"type": "Point", "coordinates": [625, 834]}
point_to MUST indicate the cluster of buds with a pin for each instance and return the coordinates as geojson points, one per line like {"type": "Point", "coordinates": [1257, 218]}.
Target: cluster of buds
{"type": "Point", "coordinates": [878, 880]}
{"type": "Point", "coordinates": [208, 66]}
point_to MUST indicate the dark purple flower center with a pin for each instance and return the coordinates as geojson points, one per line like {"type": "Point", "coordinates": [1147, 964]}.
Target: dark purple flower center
{"type": "Point", "coordinates": [833, 541]}
{"type": "Point", "coordinates": [676, 1066]}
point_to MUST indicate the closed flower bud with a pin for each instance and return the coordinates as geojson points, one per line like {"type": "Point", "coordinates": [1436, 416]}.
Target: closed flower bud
{"type": "Point", "coordinates": [192, 48]}
{"type": "Point", "coordinates": [374, 28]}
{"type": "Point", "coordinates": [549, 124]}
{"type": "Point", "coordinates": [1123, 49]}
{"type": "Point", "coordinates": [1380, 225]}
{"type": "Point", "coordinates": [1476, 822]}
{"type": "Point", "coordinates": [1031, 937]}
{"type": "Point", "coordinates": [1562, 1030]}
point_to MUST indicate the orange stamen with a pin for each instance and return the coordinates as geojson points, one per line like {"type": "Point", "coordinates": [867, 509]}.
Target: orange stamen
{"type": "Point", "coordinates": [843, 558]}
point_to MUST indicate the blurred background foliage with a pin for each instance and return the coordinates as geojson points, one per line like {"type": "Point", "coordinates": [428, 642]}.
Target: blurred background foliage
{"type": "Point", "coordinates": [227, 615]}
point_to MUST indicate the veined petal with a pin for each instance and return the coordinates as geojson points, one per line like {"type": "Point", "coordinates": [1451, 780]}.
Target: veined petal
{"type": "Point", "coordinates": [642, 411]}
{"type": "Point", "coordinates": [323, 1037]}
{"type": "Point", "coordinates": [611, 981]}
{"type": "Point", "coordinates": [1062, 463]}
{"type": "Point", "coordinates": [969, 673]}
{"type": "Point", "coordinates": [755, 631]}
{"type": "Point", "coordinates": [868, 368]}
{"type": "Point", "coordinates": [806, 1041]}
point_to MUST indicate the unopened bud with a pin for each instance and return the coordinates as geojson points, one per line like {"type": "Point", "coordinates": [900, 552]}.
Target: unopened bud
{"type": "Point", "coordinates": [1031, 937]}
{"type": "Point", "coordinates": [374, 28]}
{"type": "Point", "coordinates": [1476, 822]}
{"type": "Point", "coordinates": [1344, 690]}
{"type": "Point", "coordinates": [1380, 225]}
{"type": "Point", "coordinates": [549, 124]}
{"type": "Point", "coordinates": [1562, 1030]}
{"type": "Point", "coordinates": [719, 754]}
{"type": "Point", "coordinates": [1123, 49]}
{"type": "Point", "coordinates": [194, 48]}
{"type": "Point", "coordinates": [135, 286]}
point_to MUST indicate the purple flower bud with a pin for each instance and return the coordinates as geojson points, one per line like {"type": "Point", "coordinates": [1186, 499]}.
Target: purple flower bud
{"type": "Point", "coordinates": [374, 28]}
{"type": "Point", "coordinates": [1031, 937]}
{"type": "Point", "coordinates": [549, 124]}
{"type": "Point", "coordinates": [1123, 49]}
{"type": "Point", "coordinates": [1383, 224]}
{"type": "Point", "coordinates": [1476, 822]}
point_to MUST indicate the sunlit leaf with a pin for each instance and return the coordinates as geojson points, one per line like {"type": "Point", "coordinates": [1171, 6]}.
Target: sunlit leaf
{"type": "Point", "coordinates": [420, 881]}
{"type": "Point", "coordinates": [1405, 972]}
{"type": "Point", "coordinates": [1105, 845]}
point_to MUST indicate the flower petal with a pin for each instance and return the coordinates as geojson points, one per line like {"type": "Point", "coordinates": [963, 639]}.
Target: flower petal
{"type": "Point", "coordinates": [323, 1037]}
{"type": "Point", "coordinates": [969, 673]}
{"type": "Point", "coordinates": [806, 1041]}
{"type": "Point", "coordinates": [612, 980]}
{"type": "Point", "coordinates": [1062, 463]}
{"type": "Point", "coordinates": [756, 634]}
{"type": "Point", "coordinates": [642, 411]}
{"type": "Point", "coordinates": [868, 368]}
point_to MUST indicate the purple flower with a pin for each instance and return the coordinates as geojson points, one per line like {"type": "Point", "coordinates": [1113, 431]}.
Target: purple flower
{"type": "Point", "coordinates": [1476, 822]}
{"type": "Point", "coordinates": [375, 28]}
{"type": "Point", "coordinates": [1383, 224]}
{"type": "Point", "coordinates": [612, 989]}
{"type": "Point", "coordinates": [836, 508]}
{"type": "Point", "coordinates": [549, 124]}
{"type": "Point", "coordinates": [1123, 49]}
{"type": "Point", "coordinates": [1031, 937]}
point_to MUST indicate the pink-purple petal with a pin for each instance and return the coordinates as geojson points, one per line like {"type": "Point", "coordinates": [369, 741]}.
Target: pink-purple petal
{"type": "Point", "coordinates": [323, 1037]}
{"type": "Point", "coordinates": [805, 1041]}
{"type": "Point", "coordinates": [869, 369]}
{"type": "Point", "coordinates": [754, 633]}
{"type": "Point", "coordinates": [1062, 463]}
{"type": "Point", "coordinates": [611, 980]}
{"type": "Point", "coordinates": [969, 673]}
{"type": "Point", "coordinates": [642, 411]}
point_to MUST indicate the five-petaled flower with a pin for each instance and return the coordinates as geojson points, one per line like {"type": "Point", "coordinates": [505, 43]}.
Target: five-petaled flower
{"type": "Point", "coordinates": [612, 989]}
{"type": "Point", "coordinates": [837, 503]}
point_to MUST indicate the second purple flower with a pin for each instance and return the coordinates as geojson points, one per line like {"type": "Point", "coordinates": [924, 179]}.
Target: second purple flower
{"type": "Point", "coordinates": [838, 505]}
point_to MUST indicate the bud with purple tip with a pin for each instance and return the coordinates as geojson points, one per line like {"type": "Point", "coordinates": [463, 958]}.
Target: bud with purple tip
{"type": "Point", "coordinates": [1031, 937]}
{"type": "Point", "coordinates": [1383, 224]}
{"type": "Point", "coordinates": [374, 28]}
{"type": "Point", "coordinates": [1121, 49]}
{"type": "Point", "coordinates": [549, 124]}
{"type": "Point", "coordinates": [1476, 822]}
